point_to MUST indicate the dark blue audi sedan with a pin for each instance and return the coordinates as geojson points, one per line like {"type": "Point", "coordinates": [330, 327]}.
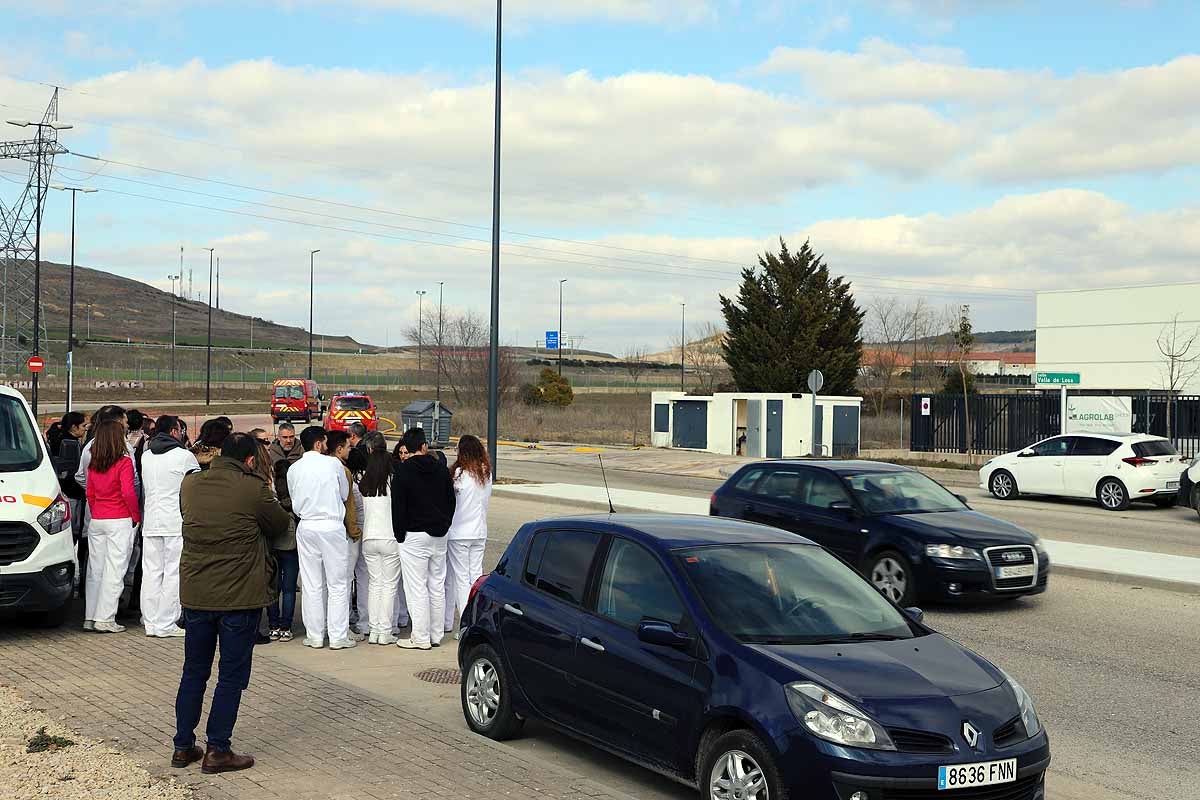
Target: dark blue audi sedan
{"type": "Point", "coordinates": [742, 660]}
{"type": "Point", "coordinates": [905, 531]}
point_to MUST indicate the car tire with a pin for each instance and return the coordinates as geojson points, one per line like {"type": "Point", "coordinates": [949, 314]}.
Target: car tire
{"type": "Point", "coordinates": [1112, 495]}
{"type": "Point", "coordinates": [486, 696]}
{"type": "Point", "coordinates": [1170, 501]}
{"type": "Point", "coordinates": [761, 779]}
{"type": "Point", "coordinates": [1003, 485]}
{"type": "Point", "coordinates": [1196, 498]}
{"type": "Point", "coordinates": [892, 574]}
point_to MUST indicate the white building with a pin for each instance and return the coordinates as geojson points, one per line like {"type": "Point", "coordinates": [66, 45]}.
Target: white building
{"type": "Point", "coordinates": [1110, 336]}
{"type": "Point", "coordinates": [775, 425]}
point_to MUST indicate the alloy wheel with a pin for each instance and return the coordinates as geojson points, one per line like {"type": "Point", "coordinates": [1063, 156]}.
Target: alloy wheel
{"type": "Point", "coordinates": [483, 692]}
{"type": "Point", "coordinates": [1112, 495]}
{"type": "Point", "coordinates": [737, 776]}
{"type": "Point", "coordinates": [1002, 484]}
{"type": "Point", "coordinates": [889, 577]}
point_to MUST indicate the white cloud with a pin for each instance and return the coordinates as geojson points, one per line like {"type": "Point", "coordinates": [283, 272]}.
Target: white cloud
{"type": "Point", "coordinates": [81, 45]}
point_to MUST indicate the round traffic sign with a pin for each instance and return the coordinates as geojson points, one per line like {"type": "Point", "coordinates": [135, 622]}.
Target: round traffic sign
{"type": "Point", "coordinates": [816, 379]}
{"type": "Point", "coordinates": [35, 364]}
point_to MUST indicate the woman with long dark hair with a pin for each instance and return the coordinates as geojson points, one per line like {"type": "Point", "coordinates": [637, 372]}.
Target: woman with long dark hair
{"type": "Point", "coordinates": [381, 551]}
{"type": "Point", "coordinates": [467, 537]}
{"type": "Point", "coordinates": [113, 504]}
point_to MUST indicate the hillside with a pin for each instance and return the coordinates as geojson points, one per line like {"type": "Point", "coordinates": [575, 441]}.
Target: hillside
{"type": "Point", "coordinates": [127, 309]}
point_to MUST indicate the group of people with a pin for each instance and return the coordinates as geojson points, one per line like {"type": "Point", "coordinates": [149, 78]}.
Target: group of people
{"type": "Point", "coordinates": [231, 526]}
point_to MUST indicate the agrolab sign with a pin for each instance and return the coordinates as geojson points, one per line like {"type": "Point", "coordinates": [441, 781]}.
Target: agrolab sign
{"type": "Point", "coordinates": [1099, 415]}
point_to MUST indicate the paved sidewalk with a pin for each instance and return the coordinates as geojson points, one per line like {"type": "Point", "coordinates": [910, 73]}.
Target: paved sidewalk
{"type": "Point", "coordinates": [1170, 571]}
{"type": "Point", "coordinates": [313, 736]}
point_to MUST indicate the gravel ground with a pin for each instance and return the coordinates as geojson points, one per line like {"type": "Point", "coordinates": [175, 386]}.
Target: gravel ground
{"type": "Point", "coordinates": [88, 769]}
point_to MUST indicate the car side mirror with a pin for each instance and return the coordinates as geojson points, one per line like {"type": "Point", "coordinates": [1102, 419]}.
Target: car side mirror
{"type": "Point", "coordinates": [1025, 454]}
{"type": "Point", "coordinates": [962, 498]}
{"type": "Point", "coordinates": [915, 614]}
{"type": "Point", "coordinates": [662, 633]}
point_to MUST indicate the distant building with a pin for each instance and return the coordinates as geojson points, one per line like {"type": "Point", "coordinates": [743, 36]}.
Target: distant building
{"type": "Point", "coordinates": [979, 362]}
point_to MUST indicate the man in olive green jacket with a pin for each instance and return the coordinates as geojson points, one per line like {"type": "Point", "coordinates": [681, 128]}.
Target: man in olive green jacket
{"type": "Point", "coordinates": [226, 578]}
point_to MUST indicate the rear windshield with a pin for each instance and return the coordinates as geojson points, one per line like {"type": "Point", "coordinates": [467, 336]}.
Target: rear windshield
{"type": "Point", "coordinates": [1160, 447]}
{"type": "Point", "coordinates": [19, 450]}
{"type": "Point", "coordinates": [289, 392]}
{"type": "Point", "coordinates": [352, 403]}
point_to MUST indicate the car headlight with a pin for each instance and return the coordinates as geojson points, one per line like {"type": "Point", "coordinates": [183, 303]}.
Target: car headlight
{"type": "Point", "coordinates": [833, 719]}
{"type": "Point", "coordinates": [1041, 549]}
{"type": "Point", "coordinates": [56, 517]}
{"type": "Point", "coordinates": [1033, 725]}
{"type": "Point", "coordinates": [952, 551]}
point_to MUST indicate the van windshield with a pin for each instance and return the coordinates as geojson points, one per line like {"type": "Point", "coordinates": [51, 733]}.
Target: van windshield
{"type": "Point", "coordinates": [19, 450]}
{"type": "Point", "coordinates": [289, 392]}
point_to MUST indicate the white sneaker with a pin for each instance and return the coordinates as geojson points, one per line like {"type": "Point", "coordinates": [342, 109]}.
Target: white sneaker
{"type": "Point", "coordinates": [373, 638]}
{"type": "Point", "coordinates": [409, 644]}
{"type": "Point", "coordinates": [457, 635]}
{"type": "Point", "coordinates": [89, 625]}
{"type": "Point", "coordinates": [386, 638]}
{"type": "Point", "coordinates": [173, 632]}
{"type": "Point", "coordinates": [109, 627]}
{"type": "Point", "coordinates": [344, 644]}
{"type": "Point", "coordinates": [316, 644]}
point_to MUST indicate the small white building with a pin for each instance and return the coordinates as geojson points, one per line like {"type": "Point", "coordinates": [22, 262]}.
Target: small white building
{"type": "Point", "coordinates": [774, 425]}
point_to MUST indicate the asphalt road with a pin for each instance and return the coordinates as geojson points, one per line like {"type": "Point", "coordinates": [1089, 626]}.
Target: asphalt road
{"type": "Point", "coordinates": [1114, 671]}
{"type": "Point", "coordinates": [1175, 531]}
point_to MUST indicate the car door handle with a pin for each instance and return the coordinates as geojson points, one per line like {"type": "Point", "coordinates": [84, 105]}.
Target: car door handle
{"type": "Point", "coordinates": [514, 609]}
{"type": "Point", "coordinates": [748, 508]}
{"type": "Point", "coordinates": [586, 642]}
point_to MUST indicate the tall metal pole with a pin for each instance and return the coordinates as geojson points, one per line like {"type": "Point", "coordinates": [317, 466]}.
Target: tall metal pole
{"type": "Point", "coordinates": [71, 314]}
{"type": "Point", "coordinates": [494, 360]}
{"type": "Point", "coordinates": [420, 328]}
{"type": "Point", "coordinates": [174, 278]}
{"type": "Point", "coordinates": [208, 357]}
{"type": "Point", "coordinates": [311, 283]}
{"type": "Point", "coordinates": [218, 284]}
{"type": "Point", "coordinates": [682, 344]}
{"type": "Point", "coordinates": [37, 271]}
{"type": "Point", "coordinates": [439, 346]}
{"type": "Point", "coordinates": [560, 333]}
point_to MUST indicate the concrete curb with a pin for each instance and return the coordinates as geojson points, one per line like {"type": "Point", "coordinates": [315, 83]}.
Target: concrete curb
{"type": "Point", "coordinates": [1129, 580]}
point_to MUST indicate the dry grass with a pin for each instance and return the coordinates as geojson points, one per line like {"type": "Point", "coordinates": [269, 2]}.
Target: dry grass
{"type": "Point", "coordinates": [592, 418]}
{"type": "Point", "coordinates": [884, 432]}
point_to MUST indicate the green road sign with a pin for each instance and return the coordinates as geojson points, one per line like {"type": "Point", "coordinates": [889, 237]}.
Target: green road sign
{"type": "Point", "coordinates": [1057, 378]}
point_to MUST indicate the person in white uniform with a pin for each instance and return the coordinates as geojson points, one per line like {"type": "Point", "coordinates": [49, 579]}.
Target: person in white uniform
{"type": "Point", "coordinates": [165, 462]}
{"type": "Point", "coordinates": [422, 510]}
{"type": "Point", "coordinates": [318, 488]}
{"type": "Point", "coordinates": [380, 549]}
{"type": "Point", "coordinates": [467, 537]}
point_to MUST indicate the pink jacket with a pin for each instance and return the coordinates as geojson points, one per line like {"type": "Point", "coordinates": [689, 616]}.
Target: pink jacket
{"type": "Point", "coordinates": [111, 495]}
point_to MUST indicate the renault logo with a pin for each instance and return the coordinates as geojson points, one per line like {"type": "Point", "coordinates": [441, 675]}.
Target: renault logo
{"type": "Point", "coordinates": [971, 734]}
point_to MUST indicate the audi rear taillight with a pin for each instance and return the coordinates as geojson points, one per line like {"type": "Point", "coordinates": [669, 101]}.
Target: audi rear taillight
{"type": "Point", "coordinates": [475, 587]}
{"type": "Point", "coordinates": [1139, 461]}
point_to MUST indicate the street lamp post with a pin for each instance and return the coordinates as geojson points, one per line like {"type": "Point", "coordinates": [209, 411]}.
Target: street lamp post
{"type": "Point", "coordinates": [37, 242]}
{"type": "Point", "coordinates": [494, 343]}
{"type": "Point", "coordinates": [437, 404]}
{"type": "Point", "coordinates": [420, 328]}
{"type": "Point", "coordinates": [682, 344]}
{"type": "Point", "coordinates": [172, 279]}
{"type": "Point", "coordinates": [74, 190]}
{"type": "Point", "coordinates": [311, 283]}
{"type": "Point", "coordinates": [560, 333]}
{"type": "Point", "coordinates": [208, 358]}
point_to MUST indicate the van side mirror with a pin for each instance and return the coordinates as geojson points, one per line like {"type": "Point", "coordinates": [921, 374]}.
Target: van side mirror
{"type": "Point", "coordinates": [653, 631]}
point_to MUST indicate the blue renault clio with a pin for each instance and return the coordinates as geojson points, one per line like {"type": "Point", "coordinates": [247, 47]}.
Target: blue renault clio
{"type": "Point", "coordinates": [741, 660]}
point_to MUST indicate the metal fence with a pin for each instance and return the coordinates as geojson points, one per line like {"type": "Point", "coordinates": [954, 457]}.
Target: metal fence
{"type": "Point", "coordinates": [1003, 423]}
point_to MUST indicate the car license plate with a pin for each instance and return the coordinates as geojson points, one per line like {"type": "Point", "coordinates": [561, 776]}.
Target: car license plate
{"type": "Point", "coordinates": [1172, 484]}
{"type": "Point", "coordinates": [988, 773]}
{"type": "Point", "coordinates": [1019, 571]}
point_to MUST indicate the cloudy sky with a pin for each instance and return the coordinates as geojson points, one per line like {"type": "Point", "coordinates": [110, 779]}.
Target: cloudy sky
{"type": "Point", "coordinates": [960, 152]}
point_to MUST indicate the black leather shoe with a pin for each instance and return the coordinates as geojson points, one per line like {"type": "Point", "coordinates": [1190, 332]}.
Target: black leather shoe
{"type": "Point", "coordinates": [182, 758]}
{"type": "Point", "coordinates": [262, 638]}
{"type": "Point", "coordinates": [216, 761]}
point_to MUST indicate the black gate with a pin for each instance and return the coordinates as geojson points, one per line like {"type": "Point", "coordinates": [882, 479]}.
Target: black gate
{"type": "Point", "coordinates": [1003, 423]}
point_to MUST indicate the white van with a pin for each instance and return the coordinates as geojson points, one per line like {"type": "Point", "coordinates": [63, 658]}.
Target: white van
{"type": "Point", "coordinates": [37, 552]}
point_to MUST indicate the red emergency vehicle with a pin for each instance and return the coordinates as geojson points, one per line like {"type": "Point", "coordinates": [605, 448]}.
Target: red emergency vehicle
{"type": "Point", "coordinates": [351, 407]}
{"type": "Point", "coordinates": [295, 399]}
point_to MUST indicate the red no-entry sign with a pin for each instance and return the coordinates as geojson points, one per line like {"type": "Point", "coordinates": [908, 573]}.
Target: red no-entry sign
{"type": "Point", "coordinates": [35, 364]}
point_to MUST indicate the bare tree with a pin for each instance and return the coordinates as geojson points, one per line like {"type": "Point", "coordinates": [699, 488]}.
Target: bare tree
{"type": "Point", "coordinates": [964, 340]}
{"type": "Point", "coordinates": [705, 357]}
{"type": "Point", "coordinates": [634, 362]}
{"type": "Point", "coordinates": [889, 329]}
{"type": "Point", "coordinates": [1180, 350]}
{"type": "Point", "coordinates": [461, 350]}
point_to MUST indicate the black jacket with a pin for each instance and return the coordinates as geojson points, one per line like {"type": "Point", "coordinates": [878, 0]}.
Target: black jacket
{"type": "Point", "coordinates": [422, 497]}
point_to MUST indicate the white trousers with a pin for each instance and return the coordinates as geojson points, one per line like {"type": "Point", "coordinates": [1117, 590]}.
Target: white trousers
{"type": "Point", "coordinates": [423, 562]}
{"type": "Point", "coordinates": [382, 557]}
{"type": "Point", "coordinates": [464, 565]}
{"type": "Point", "coordinates": [110, 543]}
{"type": "Point", "coordinates": [160, 582]}
{"type": "Point", "coordinates": [325, 576]}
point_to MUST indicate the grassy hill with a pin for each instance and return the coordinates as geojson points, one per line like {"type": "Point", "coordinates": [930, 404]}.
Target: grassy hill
{"type": "Point", "coordinates": [127, 309]}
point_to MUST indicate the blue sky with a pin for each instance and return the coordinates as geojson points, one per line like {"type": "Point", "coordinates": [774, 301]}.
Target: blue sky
{"type": "Point", "coordinates": [935, 150]}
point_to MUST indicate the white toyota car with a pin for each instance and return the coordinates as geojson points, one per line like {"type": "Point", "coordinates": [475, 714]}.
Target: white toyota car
{"type": "Point", "coordinates": [1114, 469]}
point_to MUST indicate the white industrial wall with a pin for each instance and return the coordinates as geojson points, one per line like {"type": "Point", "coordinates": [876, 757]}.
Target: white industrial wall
{"type": "Point", "coordinates": [1110, 336]}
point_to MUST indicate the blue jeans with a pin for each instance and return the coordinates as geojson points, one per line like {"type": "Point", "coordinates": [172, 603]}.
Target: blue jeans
{"type": "Point", "coordinates": [281, 612]}
{"type": "Point", "coordinates": [235, 630]}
